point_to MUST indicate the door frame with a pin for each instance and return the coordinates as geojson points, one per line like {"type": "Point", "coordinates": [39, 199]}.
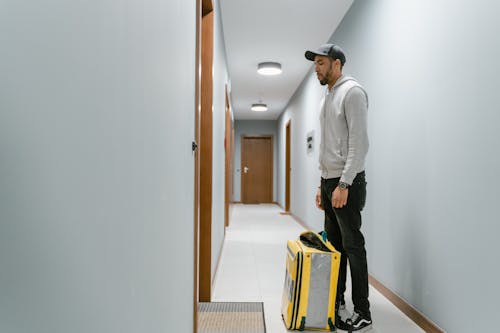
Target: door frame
{"type": "Point", "coordinates": [206, 157]}
{"type": "Point", "coordinates": [228, 148]}
{"type": "Point", "coordinates": [203, 123]}
{"type": "Point", "coordinates": [243, 155]}
{"type": "Point", "coordinates": [288, 162]}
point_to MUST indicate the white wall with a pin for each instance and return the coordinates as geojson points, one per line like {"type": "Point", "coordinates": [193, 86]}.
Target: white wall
{"type": "Point", "coordinates": [96, 173]}
{"type": "Point", "coordinates": [219, 124]}
{"type": "Point", "coordinates": [430, 69]}
{"type": "Point", "coordinates": [303, 114]}
{"type": "Point", "coordinates": [253, 127]}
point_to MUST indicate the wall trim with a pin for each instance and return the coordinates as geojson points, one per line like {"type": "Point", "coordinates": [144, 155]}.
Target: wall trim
{"type": "Point", "coordinates": [299, 221]}
{"type": "Point", "coordinates": [416, 316]}
{"type": "Point", "coordinates": [277, 204]}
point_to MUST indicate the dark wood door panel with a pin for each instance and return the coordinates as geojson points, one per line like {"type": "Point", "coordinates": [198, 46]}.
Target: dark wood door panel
{"type": "Point", "coordinates": [257, 169]}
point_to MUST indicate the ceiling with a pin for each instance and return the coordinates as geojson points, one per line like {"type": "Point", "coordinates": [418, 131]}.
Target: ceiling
{"type": "Point", "coordinates": [273, 30]}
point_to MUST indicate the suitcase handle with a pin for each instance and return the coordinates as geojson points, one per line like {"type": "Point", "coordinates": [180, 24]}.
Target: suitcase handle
{"type": "Point", "coordinates": [316, 241]}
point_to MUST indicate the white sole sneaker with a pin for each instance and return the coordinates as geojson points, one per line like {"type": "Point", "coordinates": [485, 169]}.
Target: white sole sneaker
{"type": "Point", "coordinates": [364, 329]}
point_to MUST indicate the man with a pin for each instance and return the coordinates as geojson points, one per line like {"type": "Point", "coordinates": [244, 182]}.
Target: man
{"type": "Point", "coordinates": [342, 194]}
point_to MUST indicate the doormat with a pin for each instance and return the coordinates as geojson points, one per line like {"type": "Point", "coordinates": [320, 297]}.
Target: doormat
{"type": "Point", "coordinates": [231, 317]}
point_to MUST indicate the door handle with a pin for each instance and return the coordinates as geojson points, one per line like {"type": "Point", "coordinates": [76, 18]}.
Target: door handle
{"type": "Point", "coordinates": [245, 169]}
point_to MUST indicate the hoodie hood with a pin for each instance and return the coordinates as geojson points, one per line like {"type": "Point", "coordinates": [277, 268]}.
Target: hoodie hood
{"type": "Point", "coordinates": [343, 79]}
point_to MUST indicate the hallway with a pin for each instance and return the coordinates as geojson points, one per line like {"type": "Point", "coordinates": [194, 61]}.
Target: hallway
{"type": "Point", "coordinates": [252, 268]}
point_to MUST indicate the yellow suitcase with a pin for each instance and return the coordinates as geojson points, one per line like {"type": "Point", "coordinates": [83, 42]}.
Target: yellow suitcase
{"type": "Point", "coordinates": [312, 268]}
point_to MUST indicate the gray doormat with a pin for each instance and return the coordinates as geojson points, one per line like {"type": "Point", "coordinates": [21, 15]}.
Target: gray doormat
{"type": "Point", "coordinates": [231, 317]}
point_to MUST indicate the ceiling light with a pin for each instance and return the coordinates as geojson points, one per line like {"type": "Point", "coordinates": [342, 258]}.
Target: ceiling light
{"type": "Point", "coordinates": [259, 107]}
{"type": "Point", "coordinates": [269, 68]}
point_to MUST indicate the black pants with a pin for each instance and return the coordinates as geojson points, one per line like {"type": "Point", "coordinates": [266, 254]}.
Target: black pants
{"type": "Point", "coordinates": [342, 226]}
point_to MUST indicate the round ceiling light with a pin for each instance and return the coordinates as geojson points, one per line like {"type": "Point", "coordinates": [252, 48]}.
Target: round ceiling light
{"type": "Point", "coordinates": [259, 107]}
{"type": "Point", "coordinates": [269, 68]}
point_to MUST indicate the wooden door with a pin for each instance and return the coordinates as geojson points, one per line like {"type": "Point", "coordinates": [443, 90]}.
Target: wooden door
{"type": "Point", "coordinates": [257, 169]}
{"type": "Point", "coordinates": [228, 149]}
{"type": "Point", "coordinates": [287, 167]}
{"type": "Point", "coordinates": [203, 155]}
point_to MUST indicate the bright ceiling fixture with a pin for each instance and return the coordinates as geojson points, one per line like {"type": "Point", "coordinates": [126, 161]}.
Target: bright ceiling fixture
{"type": "Point", "coordinates": [259, 107]}
{"type": "Point", "coordinates": [269, 68]}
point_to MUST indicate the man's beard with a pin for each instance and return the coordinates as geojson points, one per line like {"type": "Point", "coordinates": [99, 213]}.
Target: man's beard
{"type": "Point", "coordinates": [326, 78]}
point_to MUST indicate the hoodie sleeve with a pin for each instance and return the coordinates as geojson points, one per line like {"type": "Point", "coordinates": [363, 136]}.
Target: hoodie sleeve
{"type": "Point", "coordinates": [356, 112]}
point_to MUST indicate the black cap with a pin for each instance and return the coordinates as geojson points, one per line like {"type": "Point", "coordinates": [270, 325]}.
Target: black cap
{"type": "Point", "coordinates": [330, 50]}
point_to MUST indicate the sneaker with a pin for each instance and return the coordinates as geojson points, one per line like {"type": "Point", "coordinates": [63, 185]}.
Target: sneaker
{"type": "Point", "coordinates": [341, 317]}
{"type": "Point", "coordinates": [358, 323]}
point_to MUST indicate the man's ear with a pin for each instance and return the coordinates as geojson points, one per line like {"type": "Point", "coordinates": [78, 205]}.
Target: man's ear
{"type": "Point", "coordinates": [339, 64]}
{"type": "Point", "coordinates": [332, 63]}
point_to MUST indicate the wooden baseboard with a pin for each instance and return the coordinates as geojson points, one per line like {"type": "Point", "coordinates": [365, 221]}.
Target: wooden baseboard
{"type": "Point", "coordinates": [416, 316]}
{"type": "Point", "coordinates": [425, 323]}
{"type": "Point", "coordinates": [299, 221]}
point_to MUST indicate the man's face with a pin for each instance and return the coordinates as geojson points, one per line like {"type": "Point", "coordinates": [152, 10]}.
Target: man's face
{"type": "Point", "coordinates": [324, 67]}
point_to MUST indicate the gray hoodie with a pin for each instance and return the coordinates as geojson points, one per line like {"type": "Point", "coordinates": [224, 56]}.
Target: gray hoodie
{"type": "Point", "coordinates": [344, 137]}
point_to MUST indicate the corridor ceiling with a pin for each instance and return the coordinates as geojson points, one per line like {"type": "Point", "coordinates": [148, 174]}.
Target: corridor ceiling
{"type": "Point", "coordinates": [273, 30]}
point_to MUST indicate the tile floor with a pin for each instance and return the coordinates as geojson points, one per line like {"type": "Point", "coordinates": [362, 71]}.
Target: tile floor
{"type": "Point", "coordinates": [251, 268]}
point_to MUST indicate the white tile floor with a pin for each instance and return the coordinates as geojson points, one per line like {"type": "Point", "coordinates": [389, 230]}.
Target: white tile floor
{"type": "Point", "coordinates": [252, 268]}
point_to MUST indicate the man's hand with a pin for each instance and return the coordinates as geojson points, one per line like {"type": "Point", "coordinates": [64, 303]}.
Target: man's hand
{"type": "Point", "coordinates": [339, 197]}
{"type": "Point", "coordinates": [318, 199]}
